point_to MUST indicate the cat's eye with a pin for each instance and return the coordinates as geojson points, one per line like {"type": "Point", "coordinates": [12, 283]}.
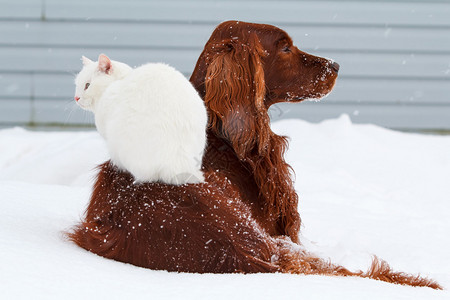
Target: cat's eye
{"type": "Point", "coordinates": [86, 86]}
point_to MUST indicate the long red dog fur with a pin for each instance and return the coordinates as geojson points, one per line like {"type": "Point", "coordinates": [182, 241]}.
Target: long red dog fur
{"type": "Point", "coordinates": [244, 218]}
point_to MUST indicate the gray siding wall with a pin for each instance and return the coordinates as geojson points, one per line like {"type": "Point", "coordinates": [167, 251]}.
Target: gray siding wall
{"type": "Point", "coordinates": [394, 55]}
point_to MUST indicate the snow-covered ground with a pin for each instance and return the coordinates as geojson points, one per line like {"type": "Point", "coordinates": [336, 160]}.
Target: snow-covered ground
{"type": "Point", "coordinates": [363, 190]}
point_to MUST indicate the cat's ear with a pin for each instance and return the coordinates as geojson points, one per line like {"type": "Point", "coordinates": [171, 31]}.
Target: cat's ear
{"type": "Point", "coordinates": [86, 61]}
{"type": "Point", "coordinates": [104, 64]}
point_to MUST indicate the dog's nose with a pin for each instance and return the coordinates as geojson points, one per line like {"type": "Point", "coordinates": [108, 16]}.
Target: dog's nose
{"type": "Point", "coordinates": [335, 67]}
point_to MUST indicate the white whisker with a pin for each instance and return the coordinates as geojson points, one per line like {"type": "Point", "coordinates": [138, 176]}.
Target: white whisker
{"type": "Point", "coordinates": [71, 107]}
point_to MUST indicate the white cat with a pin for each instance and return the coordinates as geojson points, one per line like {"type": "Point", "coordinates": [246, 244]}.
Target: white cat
{"type": "Point", "coordinates": [152, 118]}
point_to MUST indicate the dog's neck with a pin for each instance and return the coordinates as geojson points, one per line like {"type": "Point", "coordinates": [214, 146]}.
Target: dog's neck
{"type": "Point", "coordinates": [264, 181]}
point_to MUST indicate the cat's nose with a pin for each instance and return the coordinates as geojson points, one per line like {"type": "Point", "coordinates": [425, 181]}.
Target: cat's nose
{"type": "Point", "coordinates": [76, 98]}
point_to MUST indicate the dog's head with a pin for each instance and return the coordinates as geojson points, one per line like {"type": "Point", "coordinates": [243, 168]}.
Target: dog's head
{"type": "Point", "coordinates": [245, 68]}
{"type": "Point", "coordinates": [288, 73]}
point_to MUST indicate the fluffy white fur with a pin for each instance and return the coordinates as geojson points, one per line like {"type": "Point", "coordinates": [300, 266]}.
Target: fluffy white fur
{"type": "Point", "coordinates": [151, 117]}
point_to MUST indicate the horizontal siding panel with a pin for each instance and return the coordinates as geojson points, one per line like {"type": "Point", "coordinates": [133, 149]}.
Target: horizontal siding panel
{"type": "Point", "coordinates": [130, 35]}
{"type": "Point", "coordinates": [10, 9]}
{"type": "Point", "coordinates": [278, 12]}
{"type": "Point", "coordinates": [374, 39]}
{"type": "Point", "coordinates": [405, 65]}
{"type": "Point", "coordinates": [15, 86]}
{"type": "Point", "coordinates": [61, 87]}
{"type": "Point", "coordinates": [393, 116]}
{"type": "Point", "coordinates": [383, 91]}
{"type": "Point", "coordinates": [133, 35]}
{"type": "Point", "coordinates": [347, 90]}
{"type": "Point", "coordinates": [60, 112]}
{"type": "Point", "coordinates": [424, 117]}
{"type": "Point", "coordinates": [69, 60]}
{"type": "Point", "coordinates": [402, 65]}
{"type": "Point", "coordinates": [15, 111]}
{"type": "Point", "coordinates": [55, 86]}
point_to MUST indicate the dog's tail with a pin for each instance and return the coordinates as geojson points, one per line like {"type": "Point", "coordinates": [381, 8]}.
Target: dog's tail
{"type": "Point", "coordinates": [293, 259]}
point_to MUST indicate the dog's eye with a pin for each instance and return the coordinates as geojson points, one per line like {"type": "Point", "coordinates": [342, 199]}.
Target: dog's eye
{"type": "Point", "coordinates": [86, 86]}
{"type": "Point", "coordinates": [286, 49]}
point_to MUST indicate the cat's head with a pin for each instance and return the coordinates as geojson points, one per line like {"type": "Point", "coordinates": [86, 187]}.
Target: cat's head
{"type": "Point", "coordinates": [95, 77]}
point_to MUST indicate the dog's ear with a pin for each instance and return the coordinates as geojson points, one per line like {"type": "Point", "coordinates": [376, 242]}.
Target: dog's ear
{"type": "Point", "coordinates": [234, 95]}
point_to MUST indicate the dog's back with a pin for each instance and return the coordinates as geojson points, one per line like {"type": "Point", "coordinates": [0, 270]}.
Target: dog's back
{"type": "Point", "coordinates": [202, 228]}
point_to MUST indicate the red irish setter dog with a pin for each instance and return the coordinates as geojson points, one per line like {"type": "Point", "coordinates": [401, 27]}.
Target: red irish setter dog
{"type": "Point", "coordinates": [243, 218]}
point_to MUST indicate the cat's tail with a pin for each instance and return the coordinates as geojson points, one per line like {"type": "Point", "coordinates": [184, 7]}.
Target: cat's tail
{"type": "Point", "coordinates": [292, 259]}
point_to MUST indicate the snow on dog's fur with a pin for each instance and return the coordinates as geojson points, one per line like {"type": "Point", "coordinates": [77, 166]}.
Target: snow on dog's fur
{"type": "Point", "coordinates": [151, 117]}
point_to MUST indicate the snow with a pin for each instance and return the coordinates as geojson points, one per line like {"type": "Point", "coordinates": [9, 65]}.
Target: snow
{"type": "Point", "coordinates": [363, 189]}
